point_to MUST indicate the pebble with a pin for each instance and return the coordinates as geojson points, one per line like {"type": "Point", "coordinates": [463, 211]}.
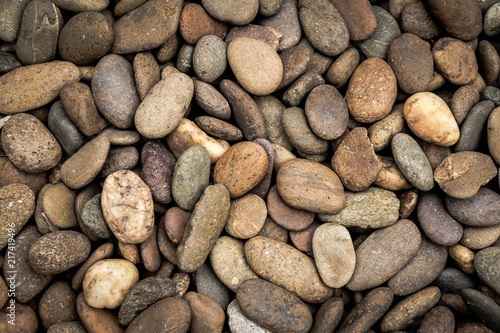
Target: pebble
{"type": "Point", "coordinates": [384, 253]}
{"type": "Point", "coordinates": [29, 145]}
{"type": "Point", "coordinates": [246, 216]}
{"type": "Point", "coordinates": [438, 319]}
{"type": "Point", "coordinates": [298, 90]}
{"type": "Point", "coordinates": [493, 134]}
{"type": "Point", "coordinates": [58, 205]}
{"type": "Point", "coordinates": [462, 102]}
{"type": "Point", "coordinates": [488, 61]}
{"type": "Point", "coordinates": [237, 12]}
{"type": "Point", "coordinates": [286, 216]}
{"type": "Point", "coordinates": [453, 280]}
{"type": "Point", "coordinates": [8, 62]}
{"type": "Point", "coordinates": [295, 62]}
{"type": "Point", "coordinates": [57, 304]}
{"type": "Point", "coordinates": [146, 73]}
{"type": "Point", "coordinates": [96, 320]}
{"type": "Point", "coordinates": [473, 327]}
{"type": "Point", "coordinates": [409, 309]}
{"type": "Point", "coordinates": [13, 13]}
{"type": "Point", "coordinates": [359, 18]}
{"type": "Point", "coordinates": [268, 35]}
{"type": "Point", "coordinates": [368, 311]}
{"type": "Point", "coordinates": [57, 252]}
{"type": "Point", "coordinates": [286, 267]}
{"type": "Point", "coordinates": [157, 19]}
{"type": "Point", "coordinates": [491, 27]}
{"type": "Point", "coordinates": [324, 26]}
{"type": "Point", "coordinates": [38, 32]}
{"type": "Point", "coordinates": [262, 188]}
{"type": "Point", "coordinates": [483, 307]}
{"type": "Point", "coordinates": [462, 19]}
{"type": "Point", "coordinates": [416, 19]}
{"type": "Point", "coordinates": [436, 222]}
{"type": "Point", "coordinates": [209, 285]}
{"type": "Point", "coordinates": [299, 132]}
{"type": "Point", "coordinates": [67, 327]}
{"type": "Point", "coordinates": [411, 60]}
{"type": "Point", "coordinates": [464, 257]}
{"type": "Point", "coordinates": [17, 205]}
{"type": "Point", "coordinates": [35, 85]}
{"type": "Point", "coordinates": [102, 252]}
{"type": "Point", "coordinates": [199, 237]}
{"type": "Point", "coordinates": [390, 177]}
{"type": "Point", "coordinates": [340, 71]}
{"type": "Point", "coordinates": [371, 208]}
{"type": "Point", "coordinates": [85, 38]}
{"type": "Point", "coordinates": [121, 158]}
{"type": "Point", "coordinates": [184, 59]}
{"type": "Point", "coordinates": [164, 106]}
{"type": "Point", "coordinates": [241, 168]}
{"type": "Point", "coordinates": [487, 266]}
{"type": "Point", "coordinates": [480, 210]}
{"type": "Point", "coordinates": [26, 319]}
{"type": "Point", "coordinates": [412, 161]}
{"type": "Point", "coordinates": [143, 294]}
{"type": "Point", "coordinates": [219, 128]}
{"type": "Point", "coordinates": [273, 307]}
{"type": "Point", "coordinates": [273, 230]}
{"type": "Point", "coordinates": [150, 253]}
{"type": "Point", "coordinates": [324, 194]}
{"type": "Point", "coordinates": [127, 206]}
{"type": "Point", "coordinates": [334, 254]}
{"type": "Point", "coordinates": [175, 221]}
{"type": "Point", "coordinates": [158, 166]}
{"type": "Point", "coordinates": [461, 174]}
{"type": "Point", "coordinates": [372, 91]}
{"type": "Point", "coordinates": [455, 60]}
{"type": "Point", "coordinates": [328, 316]}
{"type": "Point", "coordinates": [206, 314]}
{"type": "Point", "coordinates": [64, 130]}
{"type": "Point", "coordinates": [211, 100]}
{"type": "Point", "coordinates": [421, 270]}
{"type": "Point", "coordinates": [239, 323]}
{"type": "Point", "coordinates": [119, 137]}
{"type": "Point", "coordinates": [387, 30]}
{"type": "Point", "coordinates": [382, 131]}
{"type": "Point", "coordinates": [256, 65]}
{"type": "Point", "coordinates": [114, 91]}
{"type": "Point", "coordinates": [195, 23]}
{"type": "Point", "coordinates": [474, 126]}
{"type": "Point", "coordinates": [82, 5]}
{"type": "Point", "coordinates": [302, 240]}
{"type": "Point", "coordinates": [209, 58]}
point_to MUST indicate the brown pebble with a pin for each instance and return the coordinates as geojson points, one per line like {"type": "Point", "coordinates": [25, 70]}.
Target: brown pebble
{"type": "Point", "coordinates": [195, 23]}
{"type": "Point", "coordinates": [176, 220]}
{"type": "Point", "coordinates": [97, 320]}
{"type": "Point", "coordinates": [57, 304]}
{"type": "Point", "coordinates": [146, 72]}
{"type": "Point", "coordinates": [287, 217]}
{"type": "Point", "coordinates": [102, 252]}
{"type": "Point", "coordinates": [302, 240]}
{"type": "Point", "coordinates": [207, 315]}
{"type": "Point", "coordinates": [150, 253]}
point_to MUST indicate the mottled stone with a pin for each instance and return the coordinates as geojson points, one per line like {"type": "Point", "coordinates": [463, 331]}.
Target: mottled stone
{"type": "Point", "coordinates": [483, 307]}
{"type": "Point", "coordinates": [299, 132]}
{"type": "Point", "coordinates": [474, 127]}
{"type": "Point", "coordinates": [461, 19]}
{"type": "Point", "coordinates": [286, 21]}
{"type": "Point", "coordinates": [480, 210]}
{"type": "Point", "coordinates": [158, 166]}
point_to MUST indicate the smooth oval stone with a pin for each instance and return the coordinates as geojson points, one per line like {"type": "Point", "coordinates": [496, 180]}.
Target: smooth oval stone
{"type": "Point", "coordinates": [113, 88]}
{"type": "Point", "coordinates": [439, 319]}
{"type": "Point", "coordinates": [483, 307]}
{"type": "Point", "coordinates": [489, 61]}
{"type": "Point", "coordinates": [211, 100]}
{"type": "Point", "coordinates": [462, 102]}
{"type": "Point", "coordinates": [297, 91]}
{"type": "Point", "coordinates": [412, 162]}
{"type": "Point", "coordinates": [12, 12]}
{"type": "Point", "coordinates": [368, 311]}
{"type": "Point", "coordinates": [436, 222]}
{"type": "Point", "coordinates": [295, 61]}
{"type": "Point", "coordinates": [473, 327]}
{"type": "Point", "coordinates": [461, 19]}
{"type": "Point", "coordinates": [246, 216]}
{"type": "Point", "coordinates": [17, 205]}
{"type": "Point", "coordinates": [346, 161]}
{"type": "Point", "coordinates": [191, 176]}
{"type": "Point", "coordinates": [119, 137]}
{"type": "Point", "coordinates": [219, 128]}
{"type": "Point", "coordinates": [93, 218]}
{"type": "Point", "coordinates": [299, 132]}
{"type": "Point", "coordinates": [176, 220]}
{"type": "Point", "coordinates": [96, 320]}
{"type": "Point", "coordinates": [236, 12]}
{"type": "Point", "coordinates": [493, 128]}
{"type": "Point", "coordinates": [272, 110]}
{"type": "Point", "coordinates": [286, 21]}
{"type": "Point", "coordinates": [408, 310]}
{"type": "Point", "coordinates": [341, 70]}
{"type": "Point", "coordinates": [8, 62]}
{"type": "Point", "coordinates": [228, 261]}
{"type": "Point", "coordinates": [102, 252]}
{"type": "Point", "coordinates": [121, 158]}
{"type": "Point", "coordinates": [59, 206]}
{"type": "Point", "coordinates": [142, 295]}
{"type": "Point", "coordinates": [241, 168]}
{"type": "Point", "coordinates": [296, 187]}
{"type": "Point", "coordinates": [334, 254]}
{"type": "Point", "coordinates": [286, 267]}
{"type": "Point", "coordinates": [57, 252]}
{"type": "Point", "coordinates": [480, 210]}
{"type": "Point", "coordinates": [382, 132]}
{"type": "Point", "coordinates": [287, 217]}
{"type": "Point", "coordinates": [85, 38]}
{"type": "Point", "coordinates": [454, 280]}
{"type": "Point", "coordinates": [372, 208]}
{"type": "Point", "coordinates": [29, 145]}
{"type": "Point", "coordinates": [28, 282]}
{"type": "Point", "coordinates": [195, 23]}
{"type": "Point", "coordinates": [157, 19]}
{"type": "Point", "coordinates": [461, 174]}
{"type": "Point", "coordinates": [487, 266]}
{"type": "Point", "coordinates": [146, 73]}
{"type": "Point", "coordinates": [82, 5]}
{"type": "Point", "coordinates": [34, 85]}
{"type": "Point", "coordinates": [359, 18]}
{"type": "Point", "coordinates": [206, 314]}
{"type": "Point", "coordinates": [184, 59]}
{"type": "Point", "coordinates": [57, 304]}
{"type": "Point", "coordinates": [491, 26]}
{"type": "Point", "coordinates": [478, 238]}
{"type": "Point", "coordinates": [209, 58]}
{"type": "Point", "coordinates": [384, 253]}
{"type": "Point", "coordinates": [127, 206]}
{"type": "Point", "coordinates": [158, 165]}
{"type": "Point", "coordinates": [266, 34]}
{"type": "Point", "coordinates": [108, 281]}
{"type": "Point", "coordinates": [390, 177]}
{"type": "Point", "coordinates": [411, 60]}
{"type": "Point", "coordinates": [246, 112]}
{"type": "Point", "coordinates": [38, 33]}
{"type": "Point", "coordinates": [176, 315]}
{"type": "Point", "coordinates": [11, 175]}
{"type": "Point", "coordinates": [372, 91]}
{"type": "Point", "coordinates": [324, 26]}
{"type": "Point", "coordinates": [455, 60]}
{"type": "Point", "coordinates": [421, 270]}
{"type": "Point", "coordinates": [164, 106]}
{"type": "Point", "coordinates": [200, 237]}
{"type": "Point", "coordinates": [474, 126]}
{"type": "Point", "coordinates": [273, 307]}
{"type": "Point", "coordinates": [239, 323]}
{"type": "Point", "coordinates": [82, 167]}
{"type": "Point", "coordinates": [326, 112]}
{"type": "Point", "coordinates": [209, 285]}
{"type": "Point", "coordinates": [67, 327]}
{"type": "Point", "coordinates": [302, 240]}
{"type": "Point", "coordinates": [387, 30]}
{"type": "Point", "coordinates": [328, 316]}
{"type": "Point", "coordinates": [416, 19]}
{"type": "Point", "coordinates": [256, 65]}
{"type": "Point", "coordinates": [64, 130]}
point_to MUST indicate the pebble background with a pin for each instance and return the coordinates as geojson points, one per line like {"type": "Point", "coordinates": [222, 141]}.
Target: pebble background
{"type": "Point", "coordinates": [250, 166]}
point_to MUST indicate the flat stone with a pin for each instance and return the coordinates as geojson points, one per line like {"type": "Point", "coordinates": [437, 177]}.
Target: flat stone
{"type": "Point", "coordinates": [286, 21]}
{"type": "Point", "coordinates": [211, 100]}
{"type": "Point", "coordinates": [474, 127]}
{"type": "Point", "coordinates": [462, 19]}
{"type": "Point", "coordinates": [483, 307]}
{"type": "Point", "coordinates": [387, 30]}
{"type": "Point", "coordinates": [236, 12]}
{"type": "Point", "coordinates": [195, 23]}
{"type": "Point", "coordinates": [206, 314]}
{"type": "Point", "coordinates": [454, 280]}
{"type": "Point", "coordinates": [158, 165]}
{"type": "Point", "coordinates": [64, 130]}
{"type": "Point", "coordinates": [455, 60]}
{"type": "Point", "coordinates": [296, 126]}
{"type": "Point", "coordinates": [438, 319]}
{"type": "Point", "coordinates": [480, 210]}
{"type": "Point", "coordinates": [487, 266]}
{"type": "Point", "coordinates": [209, 285]}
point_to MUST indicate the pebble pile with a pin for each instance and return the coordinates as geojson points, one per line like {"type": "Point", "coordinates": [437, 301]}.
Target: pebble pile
{"type": "Point", "coordinates": [249, 166]}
